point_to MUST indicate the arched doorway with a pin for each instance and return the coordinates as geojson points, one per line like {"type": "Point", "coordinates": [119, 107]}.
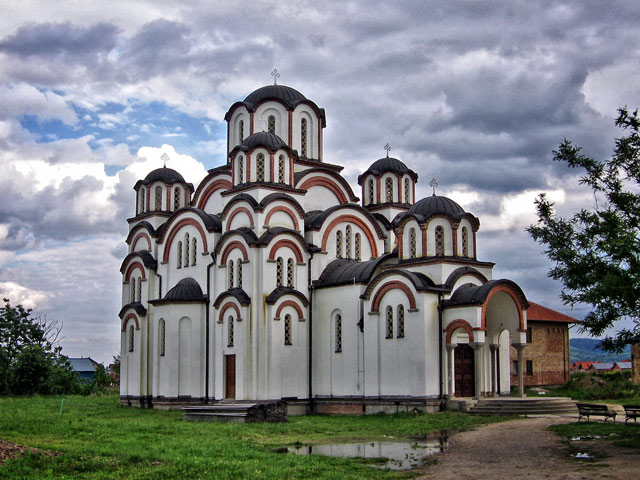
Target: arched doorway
{"type": "Point", "coordinates": [463, 366]}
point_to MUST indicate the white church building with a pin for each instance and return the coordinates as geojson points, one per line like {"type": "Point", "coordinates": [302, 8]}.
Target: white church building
{"type": "Point", "coordinates": [272, 280]}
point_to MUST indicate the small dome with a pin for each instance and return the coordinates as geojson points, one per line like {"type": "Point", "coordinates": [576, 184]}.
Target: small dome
{"type": "Point", "coordinates": [435, 204]}
{"type": "Point", "coordinates": [287, 95]}
{"type": "Point", "coordinates": [186, 289]}
{"type": "Point", "coordinates": [263, 139]}
{"type": "Point", "coordinates": [388, 164]}
{"type": "Point", "coordinates": [167, 175]}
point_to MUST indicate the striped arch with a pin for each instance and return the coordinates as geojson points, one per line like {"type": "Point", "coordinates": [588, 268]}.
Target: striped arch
{"type": "Point", "coordinates": [237, 211]}
{"type": "Point", "coordinates": [357, 221]}
{"type": "Point", "coordinates": [456, 324]}
{"type": "Point", "coordinates": [134, 266]}
{"type": "Point", "coordinates": [126, 320]}
{"type": "Point", "coordinates": [174, 231]}
{"type": "Point", "coordinates": [211, 189]}
{"type": "Point", "coordinates": [290, 303]}
{"type": "Point", "coordinates": [516, 299]}
{"type": "Point", "coordinates": [285, 242]}
{"type": "Point", "coordinates": [287, 210]}
{"type": "Point", "coordinates": [377, 298]}
{"type": "Point", "coordinates": [138, 236]}
{"type": "Point", "coordinates": [325, 182]}
{"type": "Point", "coordinates": [232, 246]}
{"type": "Point", "coordinates": [227, 306]}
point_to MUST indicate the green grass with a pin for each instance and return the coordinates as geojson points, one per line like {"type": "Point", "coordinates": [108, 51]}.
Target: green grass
{"type": "Point", "coordinates": [610, 387]}
{"type": "Point", "coordinates": [99, 439]}
{"type": "Point", "coordinates": [621, 435]}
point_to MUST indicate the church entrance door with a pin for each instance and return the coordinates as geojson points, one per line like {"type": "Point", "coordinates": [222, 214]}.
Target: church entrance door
{"type": "Point", "coordinates": [464, 370]}
{"type": "Point", "coordinates": [229, 376]}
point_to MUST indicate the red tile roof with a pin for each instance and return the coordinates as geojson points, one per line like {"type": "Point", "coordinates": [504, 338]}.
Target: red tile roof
{"type": "Point", "coordinates": [544, 314]}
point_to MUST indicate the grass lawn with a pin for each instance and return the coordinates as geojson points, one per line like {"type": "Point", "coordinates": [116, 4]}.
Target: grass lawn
{"type": "Point", "coordinates": [621, 435]}
{"type": "Point", "coordinates": [100, 439]}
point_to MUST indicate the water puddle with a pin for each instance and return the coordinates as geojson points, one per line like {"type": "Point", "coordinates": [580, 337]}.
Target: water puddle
{"type": "Point", "coordinates": [393, 454]}
{"type": "Point", "coordinates": [582, 455]}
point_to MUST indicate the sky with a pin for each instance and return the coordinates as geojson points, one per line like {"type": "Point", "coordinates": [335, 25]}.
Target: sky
{"type": "Point", "coordinates": [476, 94]}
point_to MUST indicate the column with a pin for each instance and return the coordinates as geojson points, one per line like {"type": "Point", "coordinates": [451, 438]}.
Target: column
{"type": "Point", "coordinates": [494, 383]}
{"type": "Point", "coordinates": [451, 383]}
{"type": "Point", "coordinates": [519, 348]}
{"type": "Point", "coordinates": [477, 361]}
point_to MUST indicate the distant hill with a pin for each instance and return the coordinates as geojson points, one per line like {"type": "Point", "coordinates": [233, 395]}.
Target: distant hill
{"type": "Point", "coordinates": [581, 349]}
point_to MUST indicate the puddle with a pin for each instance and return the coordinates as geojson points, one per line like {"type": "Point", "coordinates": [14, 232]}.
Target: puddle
{"type": "Point", "coordinates": [584, 438]}
{"type": "Point", "coordinates": [395, 455]}
{"type": "Point", "coordinates": [582, 455]}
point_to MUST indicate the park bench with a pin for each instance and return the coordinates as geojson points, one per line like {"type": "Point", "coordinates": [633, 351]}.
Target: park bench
{"type": "Point", "coordinates": [591, 409]}
{"type": "Point", "coordinates": [631, 411]}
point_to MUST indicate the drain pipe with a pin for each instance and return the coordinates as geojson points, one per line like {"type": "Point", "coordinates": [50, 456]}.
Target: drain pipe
{"type": "Point", "coordinates": [207, 333]}
{"type": "Point", "coordinates": [440, 362]}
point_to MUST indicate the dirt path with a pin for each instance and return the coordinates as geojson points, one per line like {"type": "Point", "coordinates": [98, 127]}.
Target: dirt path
{"type": "Point", "coordinates": [526, 449]}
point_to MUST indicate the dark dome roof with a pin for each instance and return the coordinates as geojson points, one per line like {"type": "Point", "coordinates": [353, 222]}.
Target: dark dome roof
{"type": "Point", "coordinates": [167, 175]}
{"type": "Point", "coordinates": [186, 289]}
{"type": "Point", "coordinates": [435, 204]}
{"type": "Point", "coordinates": [287, 95]}
{"type": "Point", "coordinates": [263, 139]}
{"type": "Point", "coordinates": [388, 164]}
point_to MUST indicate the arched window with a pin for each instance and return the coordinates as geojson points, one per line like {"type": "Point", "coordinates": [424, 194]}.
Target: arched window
{"type": "Point", "coordinates": [239, 264]}
{"type": "Point", "coordinates": [179, 255]}
{"type": "Point", "coordinates": [230, 274]}
{"type": "Point", "coordinates": [131, 339]}
{"type": "Point", "coordinates": [389, 322]}
{"type": "Point", "coordinates": [287, 329]}
{"type": "Point", "coordinates": [339, 244]}
{"type": "Point", "coordinates": [241, 131]}
{"type": "Point", "coordinates": [139, 289]}
{"type": "Point", "coordinates": [358, 248]}
{"type": "Point", "coordinates": [186, 249]}
{"type": "Point", "coordinates": [290, 272]}
{"type": "Point", "coordinates": [281, 169]}
{"type": "Point", "coordinates": [400, 327]}
{"type": "Point", "coordinates": [240, 169]}
{"type": "Point", "coordinates": [194, 251]}
{"type": "Point", "coordinates": [176, 198]}
{"type": "Point", "coordinates": [407, 193]}
{"type": "Point", "coordinates": [260, 168]}
{"type": "Point", "coordinates": [230, 332]}
{"type": "Point", "coordinates": [388, 190]}
{"type": "Point", "coordinates": [371, 192]}
{"type": "Point", "coordinates": [158, 197]}
{"type": "Point", "coordinates": [271, 124]}
{"type": "Point", "coordinates": [347, 241]}
{"type": "Point", "coordinates": [439, 240]}
{"type": "Point", "coordinates": [303, 137]}
{"type": "Point", "coordinates": [132, 284]}
{"type": "Point", "coordinates": [279, 268]}
{"type": "Point", "coordinates": [161, 337]}
{"type": "Point", "coordinates": [465, 242]}
{"type": "Point", "coordinates": [338, 333]}
{"type": "Point", "coordinates": [412, 243]}
{"type": "Point", "coordinates": [142, 199]}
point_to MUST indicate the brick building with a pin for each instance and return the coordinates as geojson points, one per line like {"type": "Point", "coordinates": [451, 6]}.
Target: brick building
{"type": "Point", "coordinates": [546, 354]}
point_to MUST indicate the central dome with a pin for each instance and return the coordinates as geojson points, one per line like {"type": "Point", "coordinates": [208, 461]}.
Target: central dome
{"type": "Point", "coordinates": [287, 95]}
{"type": "Point", "coordinates": [435, 204]}
{"type": "Point", "coordinates": [387, 164]}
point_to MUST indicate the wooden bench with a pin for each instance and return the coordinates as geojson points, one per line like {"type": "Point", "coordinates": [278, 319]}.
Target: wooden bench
{"type": "Point", "coordinates": [592, 409]}
{"type": "Point", "coordinates": [631, 412]}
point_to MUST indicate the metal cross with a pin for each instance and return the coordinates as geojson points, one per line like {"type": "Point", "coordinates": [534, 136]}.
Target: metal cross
{"type": "Point", "coordinates": [276, 75]}
{"type": "Point", "coordinates": [387, 147]}
{"type": "Point", "coordinates": [263, 123]}
{"type": "Point", "coordinates": [434, 185]}
{"type": "Point", "coordinates": [165, 158]}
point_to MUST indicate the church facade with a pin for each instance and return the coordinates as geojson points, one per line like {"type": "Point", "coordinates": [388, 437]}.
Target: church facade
{"type": "Point", "coordinates": [272, 280]}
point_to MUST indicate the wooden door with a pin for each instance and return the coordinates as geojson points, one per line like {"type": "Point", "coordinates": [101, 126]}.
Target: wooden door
{"type": "Point", "coordinates": [464, 371]}
{"type": "Point", "coordinates": [229, 376]}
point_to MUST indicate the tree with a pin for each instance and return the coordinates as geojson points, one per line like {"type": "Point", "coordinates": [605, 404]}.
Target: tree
{"type": "Point", "coordinates": [597, 251]}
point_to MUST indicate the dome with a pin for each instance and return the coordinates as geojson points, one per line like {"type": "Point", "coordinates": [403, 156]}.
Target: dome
{"type": "Point", "coordinates": [186, 289]}
{"type": "Point", "coordinates": [167, 175]}
{"type": "Point", "coordinates": [435, 204]}
{"type": "Point", "coordinates": [263, 139]}
{"type": "Point", "coordinates": [287, 95]}
{"type": "Point", "coordinates": [388, 164]}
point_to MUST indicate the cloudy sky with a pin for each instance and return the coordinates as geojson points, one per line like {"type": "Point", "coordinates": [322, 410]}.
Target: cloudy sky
{"type": "Point", "coordinates": [476, 94]}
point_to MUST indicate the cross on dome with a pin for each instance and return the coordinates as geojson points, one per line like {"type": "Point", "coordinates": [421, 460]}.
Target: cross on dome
{"type": "Point", "coordinates": [434, 185]}
{"type": "Point", "coordinates": [387, 147]}
{"type": "Point", "coordinates": [165, 158]}
{"type": "Point", "coordinates": [275, 74]}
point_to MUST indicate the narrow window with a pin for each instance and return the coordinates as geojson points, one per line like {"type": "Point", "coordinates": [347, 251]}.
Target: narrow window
{"type": "Point", "coordinates": [529, 367]}
{"type": "Point", "coordinates": [131, 339]}
{"type": "Point", "coordinates": [407, 194]}
{"type": "Point", "coordinates": [179, 255]}
{"type": "Point", "coordinates": [241, 130]}
{"type": "Point", "coordinates": [412, 243]}
{"type": "Point", "coordinates": [287, 329]}
{"type": "Point", "coordinates": [303, 137]}
{"type": "Point", "coordinates": [347, 241]}
{"type": "Point", "coordinates": [281, 169]}
{"type": "Point", "coordinates": [389, 318]}
{"type": "Point", "coordinates": [290, 265]}
{"type": "Point", "coordinates": [142, 199]}
{"type": "Point", "coordinates": [239, 263]}
{"type": "Point", "coordinates": [260, 168]}
{"type": "Point", "coordinates": [186, 249]}
{"type": "Point", "coordinates": [158, 197]}
{"type": "Point", "coordinates": [162, 335]}
{"type": "Point", "coordinates": [230, 332]}
{"type": "Point", "coordinates": [439, 240]}
{"type": "Point", "coordinates": [132, 283]}
{"type": "Point", "coordinates": [339, 244]}
{"type": "Point", "coordinates": [271, 124]}
{"type": "Point", "coordinates": [400, 327]}
{"type": "Point", "coordinates": [139, 289]}
{"type": "Point", "coordinates": [338, 333]}
{"type": "Point", "coordinates": [529, 335]}
{"type": "Point", "coordinates": [465, 242]}
{"type": "Point", "coordinates": [388, 189]}
{"type": "Point", "coordinates": [370, 192]}
{"type": "Point", "coordinates": [176, 198]}
{"type": "Point", "coordinates": [358, 248]}
{"type": "Point", "coordinates": [515, 367]}
{"type": "Point", "coordinates": [240, 169]}
{"type": "Point", "coordinates": [230, 274]}
{"type": "Point", "coordinates": [279, 267]}
{"type": "Point", "coordinates": [194, 251]}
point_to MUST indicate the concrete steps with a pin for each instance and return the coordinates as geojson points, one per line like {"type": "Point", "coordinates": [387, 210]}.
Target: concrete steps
{"type": "Point", "coordinates": [240, 412]}
{"type": "Point", "coordinates": [525, 406]}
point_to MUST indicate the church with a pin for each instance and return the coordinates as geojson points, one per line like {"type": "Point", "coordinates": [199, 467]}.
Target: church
{"type": "Point", "coordinates": [272, 280]}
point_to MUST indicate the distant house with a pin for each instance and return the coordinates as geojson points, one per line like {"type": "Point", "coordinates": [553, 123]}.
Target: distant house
{"type": "Point", "coordinates": [581, 366]}
{"type": "Point", "coordinates": [626, 365]}
{"type": "Point", "coordinates": [85, 367]}
{"type": "Point", "coordinates": [601, 367]}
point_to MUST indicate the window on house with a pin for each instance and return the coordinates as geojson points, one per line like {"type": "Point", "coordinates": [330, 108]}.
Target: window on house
{"type": "Point", "coordinates": [465, 242]}
{"type": "Point", "coordinates": [439, 240]}
{"type": "Point", "coordinates": [271, 124]}
{"type": "Point", "coordinates": [357, 247]}
{"type": "Point", "coordinates": [281, 169]}
{"type": "Point", "coordinates": [515, 367]}
{"type": "Point", "coordinates": [290, 272]}
{"type": "Point", "coordinates": [338, 333]}
{"type": "Point", "coordinates": [347, 241]}
{"type": "Point", "coordinates": [158, 197]}
{"type": "Point", "coordinates": [400, 327]}
{"type": "Point", "coordinates": [260, 168]}
{"type": "Point", "coordinates": [142, 199]}
{"type": "Point", "coordinates": [162, 337]}
{"type": "Point", "coordinates": [240, 169]}
{"type": "Point", "coordinates": [303, 137]}
{"type": "Point", "coordinates": [132, 284]}
{"type": "Point", "coordinates": [131, 339]}
{"type": "Point", "coordinates": [186, 250]}
{"type": "Point", "coordinates": [412, 243]}
{"type": "Point", "coordinates": [179, 255]}
{"type": "Point", "coordinates": [241, 130]}
{"type": "Point", "coordinates": [279, 267]}
{"type": "Point", "coordinates": [194, 251]}
{"type": "Point", "coordinates": [176, 198]}
{"type": "Point", "coordinates": [529, 335]}
{"type": "Point", "coordinates": [339, 244]}
{"type": "Point", "coordinates": [407, 194]}
{"type": "Point", "coordinates": [287, 329]}
{"type": "Point", "coordinates": [388, 189]}
{"type": "Point", "coordinates": [239, 263]}
{"type": "Point", "coordinates": [389, 322]}
{"type": "Point", "coordinates": [230, 274]}
{"type": "Point", "coordinates": [139, 289]}
{"type": "Point", "coordinates": [529, 366]}
{"type": "Point", "coordinates": [230, 332]}
{"type": "Point", "coordinates": [370, 192]}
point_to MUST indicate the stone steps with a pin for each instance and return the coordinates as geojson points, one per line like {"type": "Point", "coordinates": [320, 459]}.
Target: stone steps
{"type": "Point", "coordinates": [525, 406]}
{"type": "Point", "coordinates": [240, 412]}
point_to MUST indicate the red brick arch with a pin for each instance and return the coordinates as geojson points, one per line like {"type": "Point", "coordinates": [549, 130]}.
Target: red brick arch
{"type": "Point", "coordinates": [327, 183]}
{"type": "Point", "coordinates": [211, 189]}
{"type": "Point", "coordinates": [126, 320]}
{"type": "Point", "coordinates": [227, 306]}
{"type": "Point", "coordinates": [134, 266]}
{"type": "Point", "coordinates": [357, 221]}
{"type": "Point", "coordinates": [514, 297]}
{"type": "Point", "coordinates": [235, 212]}
{"type": "Point", "coordinates": [138, 236]}
{"type": "Point", "coordinates": [174, 231]}
{"type": "Point", "coordinates": [285, 242]}
{"type": "Point", "coordinates": [377, 298]}
{"type": "Point", "coordinates": [456, 324]}
{"type": "Point", "coordinates": [290, 303]}
{"type": "Point", "coordinates": [287, 210]}
{"type": "Point", "coordinates": [232, 246]}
